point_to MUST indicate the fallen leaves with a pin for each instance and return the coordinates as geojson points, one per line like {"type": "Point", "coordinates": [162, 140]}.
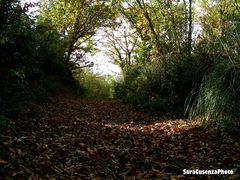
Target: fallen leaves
{"type": "Point", "coordinates": [3, 162]}
{"type": "Point", "coordinates": [103, 139]}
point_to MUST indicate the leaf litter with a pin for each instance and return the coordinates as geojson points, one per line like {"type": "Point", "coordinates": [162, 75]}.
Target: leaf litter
{"type": "Point", "coordinates": [74, 138]}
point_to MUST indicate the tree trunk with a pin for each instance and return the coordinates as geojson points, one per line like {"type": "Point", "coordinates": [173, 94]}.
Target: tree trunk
{"type": "Point", "coordinates": [155, 35]}
{"type": "Point", "coordinates": [190, 29]}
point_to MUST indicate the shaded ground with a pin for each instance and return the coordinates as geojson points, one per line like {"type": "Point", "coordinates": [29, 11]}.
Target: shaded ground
{"type": "Point", "coordinates": [73, 138]}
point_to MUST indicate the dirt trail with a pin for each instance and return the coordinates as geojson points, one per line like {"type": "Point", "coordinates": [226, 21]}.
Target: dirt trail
{"type": "Point", "coordinates": [73, 138]}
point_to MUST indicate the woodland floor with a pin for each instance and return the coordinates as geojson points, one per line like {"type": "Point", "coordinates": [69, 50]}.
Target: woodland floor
{"type": "Point", "coordinates": [74, 138]}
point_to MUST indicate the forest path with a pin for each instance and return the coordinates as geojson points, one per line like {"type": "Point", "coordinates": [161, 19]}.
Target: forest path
{"type": "Point", "coordinates": [74, 138]}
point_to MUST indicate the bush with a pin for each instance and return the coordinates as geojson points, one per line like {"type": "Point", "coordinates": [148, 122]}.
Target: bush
{"type": "Point", "coordinates": [159, 87]}
{"type": "Point", "coordinates": [94, 86]}
{"type": "Point", "coordinates": [31, 57]}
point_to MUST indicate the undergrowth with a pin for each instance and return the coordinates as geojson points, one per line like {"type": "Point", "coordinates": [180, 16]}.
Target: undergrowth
{"type": "Point", "coordinates": [218, 100]}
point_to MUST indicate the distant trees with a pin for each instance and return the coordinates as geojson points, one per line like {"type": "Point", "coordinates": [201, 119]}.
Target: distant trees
{"type": "Point", "coordinates": [121, 43]}
{"type": "Point", "coordinates": [93, 85]}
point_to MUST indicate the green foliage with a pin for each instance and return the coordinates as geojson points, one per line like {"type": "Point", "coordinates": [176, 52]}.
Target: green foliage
{"type": "Point", "coordinates": [14, 55]}
{"type": "Point", "coordinates": [50, 51]}
{"type": "Point", "coordinates": [94, 86]}
{"type": "Point", "coordinates": [30, 55]}
{"type": "Point", "coordinates": [77, 21]}
{"type": "Point", "coordinates": [217, 102]}
{"type": "Point", "coordinates": [158, 87]}
{"type": "Point", "coordinates": [218, 99]}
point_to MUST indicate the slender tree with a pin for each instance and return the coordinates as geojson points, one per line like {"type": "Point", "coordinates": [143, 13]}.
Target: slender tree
{"type": "Point", "coordinates": [190, 20]}
{"type": "Point", "coordinates": [121, 43]}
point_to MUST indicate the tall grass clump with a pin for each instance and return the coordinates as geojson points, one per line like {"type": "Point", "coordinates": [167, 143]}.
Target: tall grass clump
{"type": "Point", "coordinates": [218, 100]}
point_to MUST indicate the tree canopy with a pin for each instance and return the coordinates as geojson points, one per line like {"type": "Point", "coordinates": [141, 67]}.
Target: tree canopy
{"type": "Point", "coordinates": [77, 21]}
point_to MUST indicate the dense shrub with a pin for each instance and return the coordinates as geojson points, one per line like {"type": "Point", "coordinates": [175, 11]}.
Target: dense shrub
{"type": "Point", "coordinates": [31, 57]}
{"type": "Point", "coordinates": [14, 55]}
{"type": "Point", "coordinates": [94, 86]}
{"type": "Point", "coordinates": [157, 87]}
